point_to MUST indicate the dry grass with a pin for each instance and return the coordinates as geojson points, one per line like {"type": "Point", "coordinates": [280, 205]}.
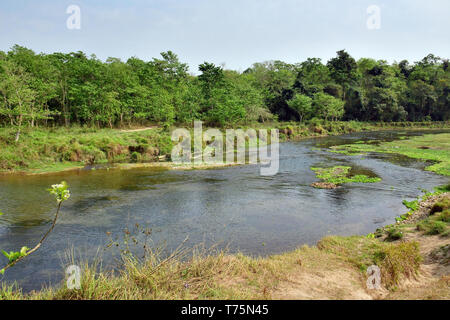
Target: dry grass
{"type": "Point", "coordinates": [224, 276]}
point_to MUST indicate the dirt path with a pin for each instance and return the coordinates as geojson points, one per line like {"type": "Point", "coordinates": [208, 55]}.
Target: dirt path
{"type": "Point", "coordinates": [137, 130]}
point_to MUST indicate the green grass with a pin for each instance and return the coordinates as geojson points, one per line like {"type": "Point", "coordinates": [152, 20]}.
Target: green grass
{"type": "Point", "coordinates": [55, 149]}
{"type": "Point", "coordinates": [433, 147]}
{"type": "Point", "coordinates": [439, 220]}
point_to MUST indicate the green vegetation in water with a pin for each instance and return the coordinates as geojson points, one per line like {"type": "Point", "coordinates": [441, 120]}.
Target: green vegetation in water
{"type": "Point", "coordinates": [345, 152]}
{"type": "Point", "coordinates": [433, 147]}
{"type": "Point", "coordinates": [341, 174]}
{"type": "Point", "coordinates": [439, 220]}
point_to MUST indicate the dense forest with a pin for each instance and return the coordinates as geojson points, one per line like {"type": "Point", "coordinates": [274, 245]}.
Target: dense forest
{"type": "Point", "coordinates": [64, 89]}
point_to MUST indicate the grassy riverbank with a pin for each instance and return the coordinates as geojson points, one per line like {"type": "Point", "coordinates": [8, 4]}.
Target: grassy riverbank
{"type": "Point", "coordinates": [416, 265]}
{"type": "Point", "coordinates": [43, 150]}
{"type": "Point", "coordinates": [433, 147]}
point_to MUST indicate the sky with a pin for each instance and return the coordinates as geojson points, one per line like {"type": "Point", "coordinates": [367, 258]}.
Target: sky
{"type": "Point", "coordinates": [234, 33]}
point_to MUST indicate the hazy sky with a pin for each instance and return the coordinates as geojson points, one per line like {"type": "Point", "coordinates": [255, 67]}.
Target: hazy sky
{"type": "Point", "coordinates": [235, 32]}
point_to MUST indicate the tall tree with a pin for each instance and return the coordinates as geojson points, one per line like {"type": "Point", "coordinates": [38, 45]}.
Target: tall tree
{"type": "Point", "coordinates": [343, 70]}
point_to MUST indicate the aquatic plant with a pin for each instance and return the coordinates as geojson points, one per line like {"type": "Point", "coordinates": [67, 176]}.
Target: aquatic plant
{"type": "Point", "coordinates": [61, 193]}
{"type": "Point", "coordinates": [432, 147]}
{"type": "Point", "coordinates": [340, 174]}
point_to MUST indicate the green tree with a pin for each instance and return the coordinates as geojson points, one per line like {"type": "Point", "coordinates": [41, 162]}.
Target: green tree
{"type": "Point", "coordinates": [328, 107]}
{"type": "Point", "coordinates": [17, 96]}
{"type": "Point", "coordinates": [343, 69]}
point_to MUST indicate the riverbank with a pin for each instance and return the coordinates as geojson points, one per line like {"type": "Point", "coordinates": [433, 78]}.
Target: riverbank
{"type": "Point", "coordinates": [413, 266]}
{"type": "Point", "coordinates": [48, 150]}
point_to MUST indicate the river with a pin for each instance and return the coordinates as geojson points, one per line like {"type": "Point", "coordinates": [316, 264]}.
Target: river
{"type": "Point", "coordinates": [231, 207]}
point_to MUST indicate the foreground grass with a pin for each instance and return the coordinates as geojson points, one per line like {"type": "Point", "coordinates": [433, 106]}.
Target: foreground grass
{"type": "Point", "coordinates": [223, 276]}
{"type": "Point", "coordinates": [42, 150]}
{"type": "Point", "coordinates": [434, 147]}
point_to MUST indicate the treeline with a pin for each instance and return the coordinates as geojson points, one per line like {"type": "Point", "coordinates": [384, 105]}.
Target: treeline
{"type": "Point", "coordinates": [64, 89]}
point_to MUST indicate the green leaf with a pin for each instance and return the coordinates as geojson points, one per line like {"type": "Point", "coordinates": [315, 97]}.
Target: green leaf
{"type": "Point", "coordinates": [23, 251]}
{"type": "Point", "coordinates": [1, 213]}
{"type": "Point", "coordinates": [5, 254]}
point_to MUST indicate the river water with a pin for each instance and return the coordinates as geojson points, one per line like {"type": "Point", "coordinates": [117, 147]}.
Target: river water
{"type": "Point", "coordinates": [232, 207]}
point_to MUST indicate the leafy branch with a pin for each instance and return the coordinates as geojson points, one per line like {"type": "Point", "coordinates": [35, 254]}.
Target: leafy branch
{"type": "Point", "coordinates": [61, 193]}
